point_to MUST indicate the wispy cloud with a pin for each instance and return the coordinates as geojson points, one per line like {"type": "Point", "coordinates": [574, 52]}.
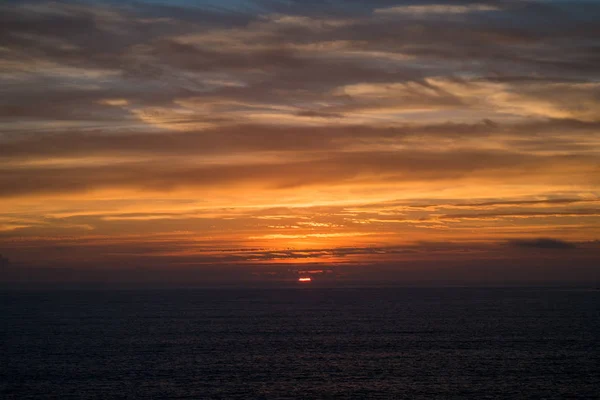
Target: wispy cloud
{"type": "Point", "coordinates": [443, 9]}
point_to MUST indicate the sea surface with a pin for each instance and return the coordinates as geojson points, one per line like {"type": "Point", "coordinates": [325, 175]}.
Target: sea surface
{"type": "Point", "coordinates": [301, 343]}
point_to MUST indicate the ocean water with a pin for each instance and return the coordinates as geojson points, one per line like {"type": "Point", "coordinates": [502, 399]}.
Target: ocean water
{"type": "Point", "coordinates": [303, 343]}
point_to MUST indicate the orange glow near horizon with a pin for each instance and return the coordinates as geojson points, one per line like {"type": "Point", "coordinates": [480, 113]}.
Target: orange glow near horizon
{"type": "Point", "coordinates": [305, 279]}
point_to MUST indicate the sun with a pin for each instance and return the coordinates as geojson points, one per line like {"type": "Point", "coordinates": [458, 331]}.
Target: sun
{"type": "Point", "coordinates": [306, 279]}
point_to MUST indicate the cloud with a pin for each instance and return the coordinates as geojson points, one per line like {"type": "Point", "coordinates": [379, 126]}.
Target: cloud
{"type": "Point", "coordinates": [542, 243]}
{"type": "Point", "coordinates": [436, 9]}
{"type": "Point", "coordinates": [327, 168]}
{"type": "Point", "coordinates": [160, 52]}
{"type": "Point", "coordinates": [543, 137]}
{"type": "Point", "coordinates": [395, 121]}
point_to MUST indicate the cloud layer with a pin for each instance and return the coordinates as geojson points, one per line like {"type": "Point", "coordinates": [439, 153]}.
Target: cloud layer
{"type": "Point", "coordinates": [297, 132]}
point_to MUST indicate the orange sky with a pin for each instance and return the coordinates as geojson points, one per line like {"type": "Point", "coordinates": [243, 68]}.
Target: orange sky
{"type": "Point", "coordinates": [273, 135]}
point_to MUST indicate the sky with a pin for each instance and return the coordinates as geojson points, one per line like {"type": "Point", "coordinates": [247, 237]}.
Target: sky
{"type": "Point", "coordinates": [262, 141]}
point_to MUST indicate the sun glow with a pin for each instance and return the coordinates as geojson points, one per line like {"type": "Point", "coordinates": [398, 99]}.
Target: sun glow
{"type": "Point", "coordinates": [305, 280]}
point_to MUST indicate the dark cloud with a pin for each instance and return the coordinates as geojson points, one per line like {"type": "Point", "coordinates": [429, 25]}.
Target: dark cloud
{"type": "Point", "coordinates": [98, 141]}
{"type": "Point", "coordinates": [542, 243]}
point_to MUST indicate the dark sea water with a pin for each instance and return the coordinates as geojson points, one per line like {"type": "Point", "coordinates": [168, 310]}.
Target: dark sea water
{"type": "Point", "coordinates": [311, 343]}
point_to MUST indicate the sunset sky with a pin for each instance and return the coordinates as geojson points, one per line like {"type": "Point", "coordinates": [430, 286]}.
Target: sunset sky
{"type": "Point", "coordinates": [263, 140]}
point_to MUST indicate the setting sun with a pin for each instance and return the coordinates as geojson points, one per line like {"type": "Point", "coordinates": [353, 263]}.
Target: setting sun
{"type": "Point", "coordinates": [305, 280]}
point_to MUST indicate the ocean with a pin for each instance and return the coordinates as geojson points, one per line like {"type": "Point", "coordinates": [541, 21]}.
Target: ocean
{"type": "Point", "coordinates": [301, 343]}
